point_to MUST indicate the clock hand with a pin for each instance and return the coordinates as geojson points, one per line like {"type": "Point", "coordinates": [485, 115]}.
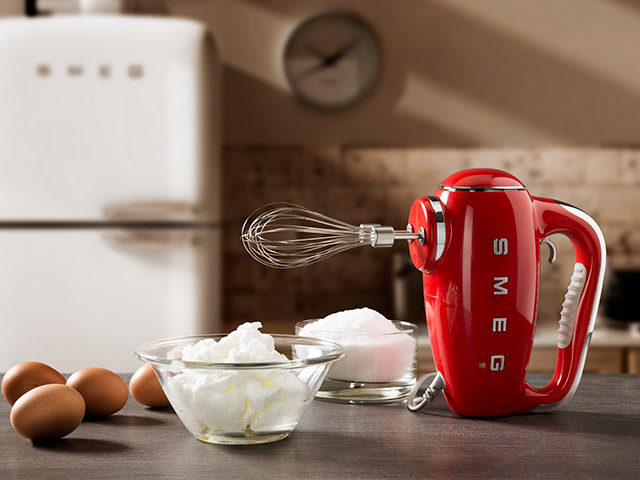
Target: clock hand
{"type": "Point", "coordinates": [316, 51]}
{"type": "Point", "coordinates": [312, 70]}
{"type": "Point", "coordinates": [337, 56]}
{"type": "Point", "coordinates": [331, 60]}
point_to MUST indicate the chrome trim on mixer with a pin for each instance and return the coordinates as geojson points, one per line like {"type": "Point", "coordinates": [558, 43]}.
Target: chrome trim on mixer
{"type": "Point", "coordinates": [423, 235]}
{"type": "Point", "coordinates": [553, 251]}
{"type": "Point", "coordinates": [409, 235]}
{"type": "Point", "coordinates": [479, 189]}
{"type": "Point", "coordinates": [441, 230]}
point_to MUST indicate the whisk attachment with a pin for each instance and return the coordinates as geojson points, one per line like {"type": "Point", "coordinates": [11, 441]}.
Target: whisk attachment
{"type": "Point", "coordinates": [285, 235]}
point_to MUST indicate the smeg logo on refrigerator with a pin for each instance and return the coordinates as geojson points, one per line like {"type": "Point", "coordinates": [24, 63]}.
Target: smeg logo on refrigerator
{"type": "Point", "coordinates": [134, 71]}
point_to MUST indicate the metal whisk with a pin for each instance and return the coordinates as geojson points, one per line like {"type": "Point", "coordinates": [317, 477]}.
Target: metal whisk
{"type": "Point", "coordinates": [284, 235]}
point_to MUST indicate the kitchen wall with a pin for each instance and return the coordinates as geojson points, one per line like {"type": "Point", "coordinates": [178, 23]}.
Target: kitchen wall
{"type": "Point", "coordinates": [455, 72]}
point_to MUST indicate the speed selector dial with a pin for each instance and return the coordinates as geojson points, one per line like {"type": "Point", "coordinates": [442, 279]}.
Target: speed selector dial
{"type": "Point", "coordinates": [427, 218]}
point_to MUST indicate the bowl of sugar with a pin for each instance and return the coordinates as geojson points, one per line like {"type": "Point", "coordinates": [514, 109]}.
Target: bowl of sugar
{"type": "Point", "coordinates": [380, 361]}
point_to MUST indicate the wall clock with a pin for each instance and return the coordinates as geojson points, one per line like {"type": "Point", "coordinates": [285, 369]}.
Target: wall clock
{"type": "Point", "coordinates": [332, 60]}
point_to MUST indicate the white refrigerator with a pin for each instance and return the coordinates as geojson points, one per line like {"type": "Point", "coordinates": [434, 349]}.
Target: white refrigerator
{"type": "Point", "coordinates": [109, 187]}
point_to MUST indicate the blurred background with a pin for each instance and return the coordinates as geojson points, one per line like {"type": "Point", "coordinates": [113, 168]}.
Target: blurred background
{"type": "Point", "coordinates": [549, 91]}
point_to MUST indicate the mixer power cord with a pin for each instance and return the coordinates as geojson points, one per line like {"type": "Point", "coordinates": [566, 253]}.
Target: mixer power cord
{"type": "Point", "coordinates": [435, 387]}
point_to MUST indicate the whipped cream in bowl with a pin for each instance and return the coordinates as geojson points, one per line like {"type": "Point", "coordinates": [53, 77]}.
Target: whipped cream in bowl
{"type": "Point", "coordinates": [246, 387]}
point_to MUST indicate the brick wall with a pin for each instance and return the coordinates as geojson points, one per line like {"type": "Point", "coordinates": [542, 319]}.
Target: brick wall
{"type": "Point", "coordinates": [366, 185]}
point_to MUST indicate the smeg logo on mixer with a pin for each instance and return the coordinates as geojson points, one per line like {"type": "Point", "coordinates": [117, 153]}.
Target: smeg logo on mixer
{"type": "Point", "coordinates": [500, 287]}
{"type": "Point", "coordinates": [500, 247]}
{"type": "Point", "coordinates": [133, 71]}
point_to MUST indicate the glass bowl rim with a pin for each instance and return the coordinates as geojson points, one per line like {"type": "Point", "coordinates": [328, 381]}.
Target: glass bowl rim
{"type": "Point", "coordinates": [408, 328]}
{"type": "Point", "coordinates": [337, 352]}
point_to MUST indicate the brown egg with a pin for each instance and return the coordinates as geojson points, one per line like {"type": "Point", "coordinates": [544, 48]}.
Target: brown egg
{"type": "Point", "coordinates": [25, 376]}
{"type": "Point", "coordinates": [103, 391]}
{"type": "Point", "coordinates": [47, 412]}
{"type": "Point", "coordinates": [145, 388]}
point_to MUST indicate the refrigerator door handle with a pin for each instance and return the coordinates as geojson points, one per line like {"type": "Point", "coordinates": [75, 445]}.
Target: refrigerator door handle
{"type": "Point", "coordinates": [135, 239]}
{"type": "Point", "coordinates": [167, 211]}
{"type": "Point", "coordinates": [154, 225]}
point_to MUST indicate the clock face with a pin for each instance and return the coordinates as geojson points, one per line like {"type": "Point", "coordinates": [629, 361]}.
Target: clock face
{"type": "Point", "coordinates": [331, 61]}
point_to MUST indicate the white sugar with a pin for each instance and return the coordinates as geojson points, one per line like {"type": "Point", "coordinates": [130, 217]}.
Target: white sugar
{"type": "Point", "coordinates": [359, 320]}
{"type": "Point", "coordinates": [376, 350]}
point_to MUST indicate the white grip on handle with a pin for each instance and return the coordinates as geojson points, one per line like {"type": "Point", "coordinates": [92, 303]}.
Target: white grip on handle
{"type": "Point", "coordinates": [570, 305]}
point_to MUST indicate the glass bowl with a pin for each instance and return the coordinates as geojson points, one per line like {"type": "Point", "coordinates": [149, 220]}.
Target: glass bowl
{"type": "Point", "coordinates": [377, 367]}
{"type": "Point", "coordinates": [241, 403]}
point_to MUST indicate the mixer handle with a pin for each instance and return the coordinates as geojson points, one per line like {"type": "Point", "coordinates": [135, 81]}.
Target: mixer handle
{"type": "Point", "coordinates": [581, 301]}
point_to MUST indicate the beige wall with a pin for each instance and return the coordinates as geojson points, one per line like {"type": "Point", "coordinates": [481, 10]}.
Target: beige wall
{"type": "Point", "coordinates": [498, 72]}
{"type": "Point", "coordinates": [456, 72]}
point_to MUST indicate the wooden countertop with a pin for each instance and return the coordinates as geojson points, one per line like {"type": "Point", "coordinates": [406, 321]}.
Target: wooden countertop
{"type": "Point", "coordinates": [597, 435]}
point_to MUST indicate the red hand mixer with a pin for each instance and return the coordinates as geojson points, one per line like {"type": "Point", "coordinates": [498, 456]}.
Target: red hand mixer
{"type": "Point", "coordinates": [477, 241]}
